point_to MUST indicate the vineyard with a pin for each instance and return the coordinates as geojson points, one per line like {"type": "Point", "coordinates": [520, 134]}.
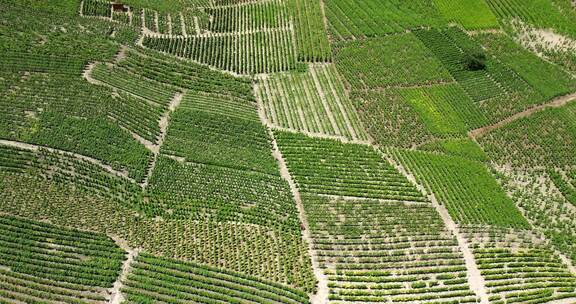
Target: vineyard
{"type": "Point", "coordinates": [314, 102]}
{"type": "Point", "coordinates": [288, 151]}
{"type": "Point", "coordinates": [393, 251]}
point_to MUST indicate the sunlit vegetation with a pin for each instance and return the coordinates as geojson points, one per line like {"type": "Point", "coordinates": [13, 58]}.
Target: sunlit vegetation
{"type": "Point", "coordinates": [156, 279]}
{"type": "Point", "coordinates": [315, 102]}
{"type": "Point", "coordinates": [467, 189]}
{"type": "Point", "coordinates": [326, 166]}
{"type": "Point", "coordinates": [40, 262]}
{"type": "Point", "coordinates": [375, 251]}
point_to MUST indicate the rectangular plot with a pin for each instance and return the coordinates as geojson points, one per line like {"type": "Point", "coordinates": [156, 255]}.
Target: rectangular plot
{"type": "Point", "coordinates": [325, 166]}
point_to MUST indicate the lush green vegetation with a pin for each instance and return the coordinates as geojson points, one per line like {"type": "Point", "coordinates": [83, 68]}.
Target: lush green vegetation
{"type": "Point", "coordinates": [529, 66]}
{"type": "Point", "coordinates": [467, 189]}
{"type": "Point", "coordinates": [374, 251]}
{"type": "Point", "coordinates": [311, 38]}
{"type": "Point", "coordinates": [367, 64]}
{"type": "Point", "coordinates": [554, 14]}
{"type": "Point", "coordinates": [40, 262]}
{"type": "Point", "coordinates": [315, 102]}
{"type": "Point", "coordinates": [529, 143]}
{"type": "Point", "coordinates": [250, 249]}
{"type": "Point", "coordinates": [326, 166]}
{"type": "Point", "coordinates": [214, 139]}
{"type": "Point", "coordinates": [156, 279]}
{"type": "Point", "coordinates": [245, 53]}
{"type": "Point", "coordinates": [462, 147]}
{"type": "Point", "coordinates": [471, 14]}
{"type": "Point", "coordinates": [349, 19]}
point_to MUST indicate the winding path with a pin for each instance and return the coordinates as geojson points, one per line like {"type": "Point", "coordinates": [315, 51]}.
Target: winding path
{"type": "Point", "coordinates": [554, 103]}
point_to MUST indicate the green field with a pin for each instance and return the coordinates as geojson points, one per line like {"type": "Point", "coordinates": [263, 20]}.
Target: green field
{"type": "Point", "coordinates": [288, 151]}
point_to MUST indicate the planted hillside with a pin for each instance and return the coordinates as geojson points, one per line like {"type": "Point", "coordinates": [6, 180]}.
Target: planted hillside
{"type": "Point", "coordinates": [330, 167]}
{"type": "Point", "coordinates": [373, 251]}
{"type": "Point", "coordinates": [467, 189]}
{"type": "Point", "coordinates": [160, 279]}
{"type": "Point", "coordinates": [42, 262]}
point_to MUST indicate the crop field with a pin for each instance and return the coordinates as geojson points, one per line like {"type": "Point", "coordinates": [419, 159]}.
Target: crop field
{"type": "Point", "coordinates": [42, 262]}
{"type": "Point", "coordinates": [330, 167]}
{"type": "Point", "coordinates": [320, 94]}
{"type": "Point", "coordinates": [354, 19]}
{"type": "Point", "coordinates": [159, 279]}
{"type": "Point", "coordinates": [392, 251]}
{"type": "Point", "coordinates": [519, 267]}
{"type": "Point", "coordinates": [288, 151]}
{"type": "Point", "coordinates": [470, 193]}
{"type": "Point", "coordinates": [364, 63]}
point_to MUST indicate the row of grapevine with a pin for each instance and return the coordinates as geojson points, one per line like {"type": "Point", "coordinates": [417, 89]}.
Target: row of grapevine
{"type": "Point", "coordinates": [44, 263]}
{"type": "Point", "coordinates": [65, 168]}
{"type": "Point", "coordinates": [200, 191]}
{"type": "Point", "coordinates": [249, 249]}
{"type": "Point", "coordinates": [137, 115]}
{"type": "Point", "coordinates": [224, 106]}
{"type": "Point", "coordinates": [41, 63]}
{"type": "Point", "coordinates": [518, 267]}
{"type": "Point", "coordinates": [467, 189]}
{"type": "Point", "coordinates": [244, 53]}
{"type": "Point", "coordinates": [68, 113]}
{"type": "Point", "coordinates": [477, 84]}
{"type": "Point", "coordinates": [556, 15]}
{"type": "Point", "coordinates": [314, 102]}
{"type": "Point", "coordinates": [185, 75]}
{"type": "Point", "coordinates": [367, 64]}
{"type": "Point", "coordinates": [527, 142]}
{"type": "Point", "coordinates": [349, 19]}
{"type": "Point", "coordinates": [256, 16]}
{"type": "Point", "coordinates": [565, 183]}
{"type": "Point", "coordinates": [446, 110]}
{"type": "Point", "coordinates": [96, 8]}
{"type": "Point", "coordinates": [311, 36]}
{"type": "Point", "coordinates": [154, 279]}
{"type": "Point", "coordinates": [549, 211]}
{"type": "Point", "coordinates": [374, 251]}
{"type": "Point", "coordinates": [326, 166]}
{"type": "Point", "coordinates": [471, 14]}
{"type": "Point", "coordinates": [134, 84]}
{"type": "Point", "coordinates": [214, 139]}
{"type": "Point", "coordinates": [529, 66]}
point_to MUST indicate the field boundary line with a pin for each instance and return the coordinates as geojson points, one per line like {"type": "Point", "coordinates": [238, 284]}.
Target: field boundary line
{"type": "Point", "coordinates": [164, 123]}
{"type": "Point", "coordinates": [475, 279]}
{"type": "Point", "coordinates": [321, 296]}
{"type": "Point", "coordinates": [131, 254]}
{"type": "Point", "coordinates": [554, 103]}
{"type": "Point", "coordinates": [94, 161]}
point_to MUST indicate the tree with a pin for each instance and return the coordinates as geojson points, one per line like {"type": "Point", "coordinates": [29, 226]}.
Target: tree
{"type": "Point", "coordinates": [475, 61]}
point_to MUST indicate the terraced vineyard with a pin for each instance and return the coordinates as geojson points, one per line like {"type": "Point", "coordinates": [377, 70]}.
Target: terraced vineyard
{"type": "Point", "coordinates": [288, 151]}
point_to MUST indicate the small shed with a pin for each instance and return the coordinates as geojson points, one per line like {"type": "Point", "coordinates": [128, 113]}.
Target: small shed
{"type": "Point", "coordinates": [119, 7]}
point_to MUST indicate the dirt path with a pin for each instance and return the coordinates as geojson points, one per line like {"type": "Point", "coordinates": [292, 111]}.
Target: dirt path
{"type": "Point", "coordinates": [32, 147]}
{"type": "Point", "coordinates": [164, 122]}
{"type": "Point", "coordinates": [87, 74]}
{"type": "Point", "coordinates": [554, 103]}
{"type": "Point", "coordinates": [475, 279]}
{"type": "Point", "coordinates": [131, 254]}
{"type": "Point", "coordinates": [321, 296]}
